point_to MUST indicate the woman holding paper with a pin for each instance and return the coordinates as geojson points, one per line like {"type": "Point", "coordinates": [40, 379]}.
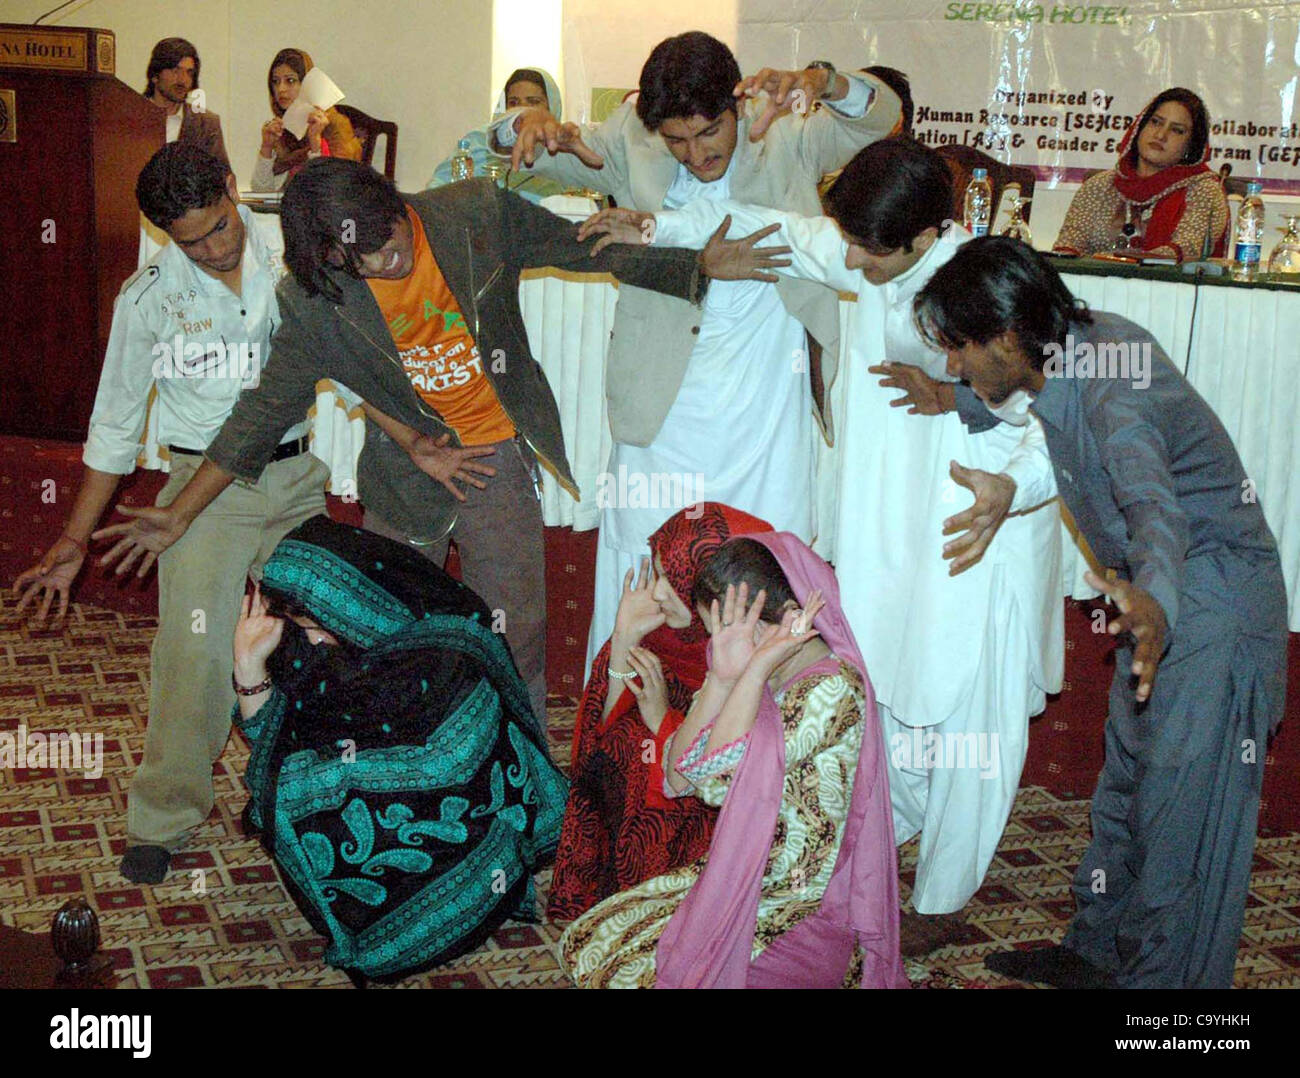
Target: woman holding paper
{"type": "Point", "coordinates": [329, 133]}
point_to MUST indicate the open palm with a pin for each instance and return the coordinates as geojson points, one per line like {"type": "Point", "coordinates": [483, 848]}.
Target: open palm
{"type": "Point", "coordinates": [733, 626]}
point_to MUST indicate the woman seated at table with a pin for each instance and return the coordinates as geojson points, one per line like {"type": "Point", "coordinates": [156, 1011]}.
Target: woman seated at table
{"type": "Point", "coordinates": [527, 87]}
{"type": "Point", "coordinates": [619, 828]}
{"type": "Point", "coordinates": [329, 133]}
{"type": "Point", "coordinates": [799, 887]}
{"type": "Point", "coordinates": [399, 779]}
{"type": "Point", "coordinates": [1161, 197]}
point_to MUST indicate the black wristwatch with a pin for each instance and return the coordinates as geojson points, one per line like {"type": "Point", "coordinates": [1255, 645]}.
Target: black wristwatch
{"type": "Point", "coordinates": [829, 68]}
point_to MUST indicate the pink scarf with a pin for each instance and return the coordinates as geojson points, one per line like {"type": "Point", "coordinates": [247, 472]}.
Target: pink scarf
{"type": "Point", "coordinates": [708, 941]}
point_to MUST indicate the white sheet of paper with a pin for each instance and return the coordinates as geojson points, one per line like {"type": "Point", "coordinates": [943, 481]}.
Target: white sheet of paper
{"type": "Point", "coordinates": [318, 91]}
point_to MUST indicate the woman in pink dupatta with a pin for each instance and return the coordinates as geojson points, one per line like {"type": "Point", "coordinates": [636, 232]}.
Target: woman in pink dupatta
{"type": "Point", "coordinates": [800, 884]}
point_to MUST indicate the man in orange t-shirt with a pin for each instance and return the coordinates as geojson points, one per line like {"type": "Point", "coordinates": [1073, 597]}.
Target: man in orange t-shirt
{"type": "Point", "coordinates": [437, 351]}
{"type": "Point", "coordinates": [412, 302]}
{"type": "Point", "coordinates": [441, 359]}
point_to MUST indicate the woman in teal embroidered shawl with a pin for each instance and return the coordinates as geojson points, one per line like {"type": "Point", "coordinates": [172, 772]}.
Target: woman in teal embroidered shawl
{"type": "Point", "coordinates": [398, 777]}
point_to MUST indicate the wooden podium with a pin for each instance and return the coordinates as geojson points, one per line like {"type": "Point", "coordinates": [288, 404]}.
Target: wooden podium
{"type": "Point", "coordinates": [73, 139]}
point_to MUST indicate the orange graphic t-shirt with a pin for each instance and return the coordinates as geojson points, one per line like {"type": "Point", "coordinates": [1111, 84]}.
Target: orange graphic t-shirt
{"type": "Point", "coordinates": [438, 352]}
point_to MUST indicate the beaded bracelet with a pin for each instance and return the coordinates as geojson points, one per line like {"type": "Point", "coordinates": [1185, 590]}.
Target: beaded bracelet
{"type": "Point", "coordinates": [622, 677]}
{"type": "Point", "coordinates": [253, 691]}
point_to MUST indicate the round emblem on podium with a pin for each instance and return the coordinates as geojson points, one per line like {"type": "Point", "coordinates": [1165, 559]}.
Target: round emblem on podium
{"type": "Point", "coordinates": [105, 54]}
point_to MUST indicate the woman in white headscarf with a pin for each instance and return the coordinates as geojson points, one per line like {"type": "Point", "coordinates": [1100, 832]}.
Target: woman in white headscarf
{"type": "Point", "coordinates": [527, 87]}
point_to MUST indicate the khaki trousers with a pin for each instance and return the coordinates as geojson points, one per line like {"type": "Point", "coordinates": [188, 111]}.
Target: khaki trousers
{"type": "Point", "coordinates": [200, 588]}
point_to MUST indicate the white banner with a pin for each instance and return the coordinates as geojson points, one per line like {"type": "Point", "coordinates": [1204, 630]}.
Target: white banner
{"type": "Point", "coordinates": [1055, 85]}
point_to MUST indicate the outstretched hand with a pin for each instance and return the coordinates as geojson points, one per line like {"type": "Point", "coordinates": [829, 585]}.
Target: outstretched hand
{"type": "Point", "coordinates": [257, 634]}
{"type": "Point", "coordinates": [787, 91]}
{"type": "Point", "coordinates": [649, 687]}
{"type": "Point", "coordinates": [1144, 619]}
{"type": "Point", "coordinates": [617, 225]}
{"type": "Point", "coordinates": [53, 575]}
{"type": "Point", "coordinates": [442, 462]}
{"type": "Point", "coordinates": [777, 643]}
{"type": "Point", "coordinates": [922, 395]}
{"type": "Point", "coordinates": [537, 129]}
{"type": "Point", "coordinates": [740, 259]}
{"type": "Point", "coordinates": [146, 536]}
{"type": "Point", "coordinates": [732, 626]}
{"type": "Point", "coordinates": [639, 612]}
{"type": "Point", "coordinates": [980, 523]}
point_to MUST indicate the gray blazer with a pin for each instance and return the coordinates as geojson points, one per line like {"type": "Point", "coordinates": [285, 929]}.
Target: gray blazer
{"type": "Point", "coordinates": [482, 237]}
{"type": "Point", "coordinates": [654, 334]}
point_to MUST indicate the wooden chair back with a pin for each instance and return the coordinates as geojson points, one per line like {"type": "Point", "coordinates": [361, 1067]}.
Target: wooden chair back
{"type": "Point", "coordinates": [368, 129]}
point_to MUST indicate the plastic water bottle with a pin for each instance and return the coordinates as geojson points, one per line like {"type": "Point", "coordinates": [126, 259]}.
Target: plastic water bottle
{"type": "Point", "coordinates": [462, 164]}
{"type": "Point", "coordinates": [979, 203]}
{"type": "Point", "coordinates": [1250, 234]}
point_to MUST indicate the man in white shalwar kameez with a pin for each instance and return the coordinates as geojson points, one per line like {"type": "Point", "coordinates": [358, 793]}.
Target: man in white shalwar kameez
{"type": "Point", "coordinates": [959, 660]}
{"type": "Point", "coordinates": [719, 408]}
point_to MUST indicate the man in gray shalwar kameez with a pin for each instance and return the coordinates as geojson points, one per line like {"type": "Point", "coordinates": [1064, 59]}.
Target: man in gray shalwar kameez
{"type": "Point", "coordinates": [1156, 487]}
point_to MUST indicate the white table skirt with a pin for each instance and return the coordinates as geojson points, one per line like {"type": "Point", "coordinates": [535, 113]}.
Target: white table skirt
{"type": "Point", "coordinates": [1245, 362]}
{"type": "Point", "coordinates": [569, 317]}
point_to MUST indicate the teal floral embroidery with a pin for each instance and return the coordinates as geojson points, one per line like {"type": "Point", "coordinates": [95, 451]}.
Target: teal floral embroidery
{"type": "Point", "coordinates": [516, 816]}
{"type": "Point", "coordinates": [357, 818]}
{"type": "Point", "coordinates": [403, 860]}
{"type": "Point", "coordinates": [320, 856]}
{"type": "Point", "coordinates": [349, 601]}
{"type": "Point", "coordinates": [498, 786]}
{"type": "Point", "coordinates": [362, 890]}
{"type": "Point", "coordinates": [522, 774]}
{"type": "Point", "coordinates": [447, 827]}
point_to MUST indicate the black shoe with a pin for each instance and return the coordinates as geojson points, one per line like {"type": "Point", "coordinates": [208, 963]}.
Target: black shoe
{"type": "Point", "coordinates": [1057, 966]}
{"type": "Point", "coordinates": [919, 934]}
{"type": "Point", "coordinates": [146, 864]}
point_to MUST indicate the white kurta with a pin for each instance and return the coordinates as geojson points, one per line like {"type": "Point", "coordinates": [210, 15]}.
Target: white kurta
{"type": "Point", "coordinates": [958, 664]}
{"type": "Point", "coordinates": [740, 430]}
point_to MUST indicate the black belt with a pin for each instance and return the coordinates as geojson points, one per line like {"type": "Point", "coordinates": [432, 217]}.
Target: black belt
{"type": "Point", "coordinates": [283, 451]}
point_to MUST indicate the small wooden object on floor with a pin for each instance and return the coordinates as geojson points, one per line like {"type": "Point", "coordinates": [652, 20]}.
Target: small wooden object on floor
{"type": "Point", "coordinates": [67, 957]}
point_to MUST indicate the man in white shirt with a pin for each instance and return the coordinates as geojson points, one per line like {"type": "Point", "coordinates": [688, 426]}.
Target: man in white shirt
{"type": "Point", "coordinates": [697, 131]}
{"type": "Point", "coordinates": [195, 325]}
{"type": "Point", "coordinates": [962, 643]}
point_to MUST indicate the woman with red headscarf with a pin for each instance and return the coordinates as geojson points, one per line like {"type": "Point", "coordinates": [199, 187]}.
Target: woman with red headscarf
{"type": "Point", "coordinates": [799, 888]}
{"type": "Point", "coordinates": [619, 828]}
{"type": "Point", "coordinates": [1161, 197]}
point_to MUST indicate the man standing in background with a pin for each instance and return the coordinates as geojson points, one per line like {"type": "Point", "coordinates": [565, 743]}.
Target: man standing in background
{"type": "Point", "coordinates": [172, 74]}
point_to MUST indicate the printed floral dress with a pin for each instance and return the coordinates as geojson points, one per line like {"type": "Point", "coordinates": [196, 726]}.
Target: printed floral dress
{"type": "Point", "coordinates": [613, 944]}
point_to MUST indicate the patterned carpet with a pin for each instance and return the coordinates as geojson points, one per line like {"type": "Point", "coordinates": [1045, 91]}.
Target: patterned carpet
{"type": "Point", "coordinates": [223, 918]}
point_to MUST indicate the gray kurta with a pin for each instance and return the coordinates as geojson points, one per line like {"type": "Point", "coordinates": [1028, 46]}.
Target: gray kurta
{"type": "Point", "coordinates": [1155, 484]}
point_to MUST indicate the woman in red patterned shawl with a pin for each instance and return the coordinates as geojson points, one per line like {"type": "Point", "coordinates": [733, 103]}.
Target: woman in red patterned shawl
{"type": "Point", "coordinates": [1161, 197]}
{"type": "Point", "coordinates": [619, 829]}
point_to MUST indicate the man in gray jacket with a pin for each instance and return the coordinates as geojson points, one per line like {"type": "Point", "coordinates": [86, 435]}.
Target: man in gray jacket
{"type": "Point", "coordinates": [719, 404]}
{"type": "Point", "coordinates": [1156, 487]}
{"type": "Point", "coordinates": [412, 302]}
